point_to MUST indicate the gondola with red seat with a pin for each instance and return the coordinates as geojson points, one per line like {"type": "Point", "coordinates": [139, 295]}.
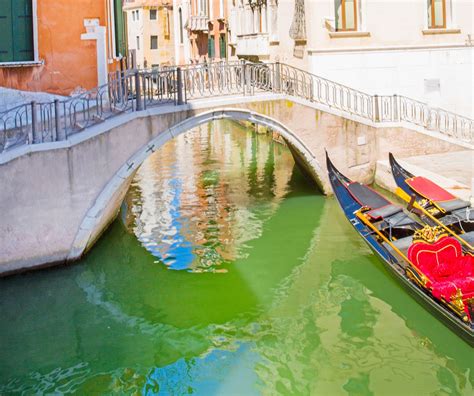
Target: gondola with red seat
{"type": "Point", "coordinates": [429, 264]}
{"type": "Point", "coordinates": [436, 205]}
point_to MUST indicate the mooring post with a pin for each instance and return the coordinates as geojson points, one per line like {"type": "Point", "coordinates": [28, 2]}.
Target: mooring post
{"type": "Point", "coordinates": [138, 92]}
{"type": "Point", "coordinates": [179, 82]}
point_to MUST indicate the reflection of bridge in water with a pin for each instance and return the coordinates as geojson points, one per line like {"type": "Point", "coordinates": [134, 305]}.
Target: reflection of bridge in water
{"type": "Point", "coordinates": [67, 165]}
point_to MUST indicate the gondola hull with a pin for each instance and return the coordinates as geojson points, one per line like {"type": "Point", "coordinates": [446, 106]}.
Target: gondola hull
{"type": "Point", "coordinates": [394, 265]}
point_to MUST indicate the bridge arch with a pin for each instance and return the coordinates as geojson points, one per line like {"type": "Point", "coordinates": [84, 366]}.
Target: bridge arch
{"type": "Point", "coordinates": [108, 201]}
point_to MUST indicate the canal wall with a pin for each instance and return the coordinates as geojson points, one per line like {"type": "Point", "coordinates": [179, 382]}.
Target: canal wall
{"type": "Point", "coordinates": [57, 198]}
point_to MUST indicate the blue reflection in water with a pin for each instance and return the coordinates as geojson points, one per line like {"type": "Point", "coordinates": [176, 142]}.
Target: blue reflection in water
{"type": "Point", "coordinates": [179, 254]}
{"type": "Point", "coordinates": [219, 372]}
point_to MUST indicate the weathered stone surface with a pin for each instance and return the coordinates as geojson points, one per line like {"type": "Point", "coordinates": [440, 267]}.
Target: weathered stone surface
{"type": "Point", "coordinates": [57, 199]}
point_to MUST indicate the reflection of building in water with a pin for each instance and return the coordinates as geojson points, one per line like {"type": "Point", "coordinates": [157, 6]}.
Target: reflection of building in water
{"type": "Point", "coordinates": [197, 194]}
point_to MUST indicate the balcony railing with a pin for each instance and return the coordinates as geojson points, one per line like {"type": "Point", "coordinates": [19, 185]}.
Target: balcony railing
{"type": "Point", "coordinates": [136, 90]}
{"type": "Point", "coordinates": [255, 44]}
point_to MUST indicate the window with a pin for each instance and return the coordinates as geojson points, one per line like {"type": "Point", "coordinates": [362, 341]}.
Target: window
{"type": "Point", "coordinates": [221, 8]}
{"type": "Point", "coordinates": [346, 15]}
{"type": "Point", "coordinates": [16, 25]}
{"type": "Point", "coordinates": [138, 14]}
{"type": "Point", "coordinates": [222, 46]}
{"type": "Point", "coordinates": [203, 7]}
{"type": "Point", "coordinates": [211, 47]}
{"type": "Point", "coordinates": [436, 14]}
{"type": "Point", "coordinates": [180, 26]}
{"type": "Point", "coordinates": [153, 14]}
{"type": "Point", "coordinates": [154, 42]}
{"type": "Point", "coordinates": [138, 42]}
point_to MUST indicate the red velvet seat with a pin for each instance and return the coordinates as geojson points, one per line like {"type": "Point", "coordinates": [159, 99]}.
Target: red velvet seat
{"type": "Point", "coordinates": [446, 268]}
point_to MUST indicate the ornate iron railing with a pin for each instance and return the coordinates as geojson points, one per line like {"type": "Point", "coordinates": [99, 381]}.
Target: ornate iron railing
{"type": "Point", "coordinates": [137, 90]}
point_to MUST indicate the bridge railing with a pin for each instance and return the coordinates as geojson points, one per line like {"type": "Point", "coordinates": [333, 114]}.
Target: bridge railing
{"type": "Point", "coordinates": [136, 90]}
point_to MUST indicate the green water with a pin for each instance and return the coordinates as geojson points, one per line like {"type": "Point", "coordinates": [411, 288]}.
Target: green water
{"type": "Point", "coordinates": [225, 274]}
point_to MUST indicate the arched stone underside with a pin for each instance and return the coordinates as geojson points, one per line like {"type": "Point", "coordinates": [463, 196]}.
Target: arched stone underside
{"type": "Point", "coordinates": [107, 204]}
{"type": "Point", "coordinates": [59, 197]}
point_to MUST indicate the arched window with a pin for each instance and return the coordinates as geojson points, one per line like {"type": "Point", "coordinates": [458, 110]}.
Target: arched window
{"type": "Point", "coordinates": [346, 15]}
{"type": "Point", "coordinates": [180, 12]}
{"type": "Point", "coordinates": [436, 14]}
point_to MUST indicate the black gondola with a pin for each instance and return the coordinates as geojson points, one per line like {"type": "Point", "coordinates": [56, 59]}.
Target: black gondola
{"type": "Point", "coordinates": [436, 206]}
{"type": "Point", "coordinates": [390, 232]}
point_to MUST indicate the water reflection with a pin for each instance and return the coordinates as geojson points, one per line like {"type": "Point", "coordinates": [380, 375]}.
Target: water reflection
{"type": "Point", "coordinates": [196, 202]}
{"type": "Point", "coordinates": [304, 308]}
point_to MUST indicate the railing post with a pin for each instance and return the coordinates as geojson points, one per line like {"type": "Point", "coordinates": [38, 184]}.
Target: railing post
{"type": "Point", "coordinates": [34, 121]}
{"type": "Point", "coordinates": [395, 108]}
{"type": "Point", "coordinates": [179, 82]}
{"type": "Point", "coordinates": [118, 86]}
{"type": "Point", "coordinates": [138, 92]}
{"type": "Point", "coordinates": [376, 108]}
{"type": "Point", "coordinates": [244, 76]}
{"type": "Point", "coordinates": [277, 82]}
{"type": "Point", "coordinates": [56, 121]}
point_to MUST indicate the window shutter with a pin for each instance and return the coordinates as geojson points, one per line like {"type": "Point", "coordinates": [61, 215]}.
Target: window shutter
{"type": "Point", "coordinates": [211, 47]}
{"type": "Point", "coordinates": [222, 46]}
{"type": "Point", "coordinates": [6, 29]}
{"type": "Point", "coordinates": [119, 29]}
{"type": "Point", "coordinates": [22, 19]}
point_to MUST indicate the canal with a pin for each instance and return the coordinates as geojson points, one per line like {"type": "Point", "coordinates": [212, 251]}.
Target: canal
{"type": "Point", "coordinates": [226, 273]}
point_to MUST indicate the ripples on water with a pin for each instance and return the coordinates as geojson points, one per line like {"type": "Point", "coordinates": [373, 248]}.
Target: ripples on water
{"type": "Point", "coordinates": [288, 299]}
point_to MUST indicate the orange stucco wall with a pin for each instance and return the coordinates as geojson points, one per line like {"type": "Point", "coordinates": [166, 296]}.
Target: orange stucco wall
{"type": "Point", "coordinates": [69, 62]}
{"type": "Point", "coordinates": [199, 40]}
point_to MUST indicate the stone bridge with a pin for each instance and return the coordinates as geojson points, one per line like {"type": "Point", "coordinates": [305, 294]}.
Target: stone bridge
{"type": "Point", "coordinates": [66, 166]}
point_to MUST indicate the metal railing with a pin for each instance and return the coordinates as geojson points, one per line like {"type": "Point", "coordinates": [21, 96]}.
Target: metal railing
{"type": "Point", "coordinates": [136, 90]}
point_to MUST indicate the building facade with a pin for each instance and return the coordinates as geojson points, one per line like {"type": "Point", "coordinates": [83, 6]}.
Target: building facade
{"type": "Point", "coordinates": [182, 48]}
{"type": "Point", "coordinates": [207, 27]}
{"type": "Point", "coordinates": [421, 48]}
{"type": "Point", "coordinates": [150, 30]}
{"type": "Point", "coordinates": [59, 47]}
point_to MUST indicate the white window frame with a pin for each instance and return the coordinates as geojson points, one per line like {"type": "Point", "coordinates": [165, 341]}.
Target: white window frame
{"type": "Point", "coordinates": [34, 6]}
{"type": "Point", "coordinates": [36, 60]}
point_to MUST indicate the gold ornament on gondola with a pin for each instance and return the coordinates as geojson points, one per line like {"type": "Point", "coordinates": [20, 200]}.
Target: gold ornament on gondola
{"type": "Point", "coordinates": [428, 234]}
{"type": "Point", "coordinates": [458, 302]}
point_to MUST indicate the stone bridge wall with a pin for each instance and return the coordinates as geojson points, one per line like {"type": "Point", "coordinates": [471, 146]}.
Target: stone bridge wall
{"type": "Point", "coordinates": [57, 198]}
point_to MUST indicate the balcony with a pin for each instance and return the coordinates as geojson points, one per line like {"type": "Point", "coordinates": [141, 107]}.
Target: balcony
{"type": "Point", "coordinates": [255, 44]}
{"type": "Point", "coordinates": [198, 23]}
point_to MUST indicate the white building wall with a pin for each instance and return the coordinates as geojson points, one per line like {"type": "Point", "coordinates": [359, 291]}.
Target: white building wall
{"type": "Point", "coordinates": [393, 51]}
{"type": "Point", "coordinates": [135, 28]}
{"type": "Point", "coordinates": [441, 77]}
{"type": "Point", "coordinates": [182, 50]}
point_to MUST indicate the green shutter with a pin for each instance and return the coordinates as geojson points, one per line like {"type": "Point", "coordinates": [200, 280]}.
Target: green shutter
{"type": "Point", "coordinates": [211, 48]}
{"type": "Point", "coordinates": [119, 29]}
{"type": "Point", "coordinates": [6, 29]}
{"type": "Point", "coordinates": [22, 19]}
{"type": "Point", "coordinates": [222, 46]}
